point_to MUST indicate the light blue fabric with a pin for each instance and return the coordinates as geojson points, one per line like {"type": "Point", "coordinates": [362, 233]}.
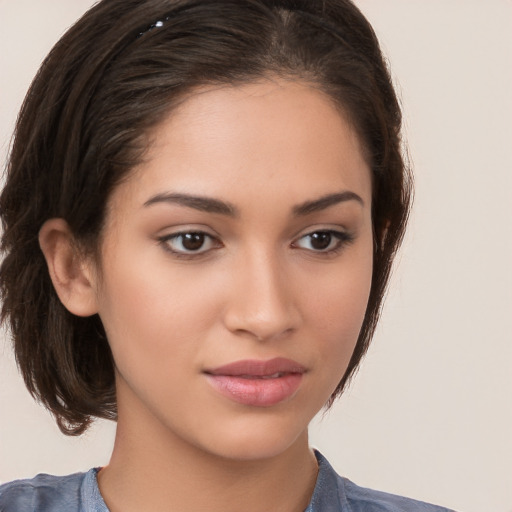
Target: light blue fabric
{"type": "Point", "coordinates": [80, 493]}
{"type": "Point", "coordinates": [334, 493]}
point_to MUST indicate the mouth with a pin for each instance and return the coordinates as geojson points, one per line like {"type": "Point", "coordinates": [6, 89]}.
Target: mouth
{"type": "Point", "coordinates": [273, 376]}
{"type": "Point", "coordinates": [257, 383]}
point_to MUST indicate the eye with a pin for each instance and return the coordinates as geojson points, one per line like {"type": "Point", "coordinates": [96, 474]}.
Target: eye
{"type": "Point", "coordinates": [189, 243]}
{"type": "Point", "coordinates": [323, 241]}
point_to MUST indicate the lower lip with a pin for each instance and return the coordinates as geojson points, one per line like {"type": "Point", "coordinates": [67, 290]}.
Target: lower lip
{"type": "Point", "coordinates": [256, 392]}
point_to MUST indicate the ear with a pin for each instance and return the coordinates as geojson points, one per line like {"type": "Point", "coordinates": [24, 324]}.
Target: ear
{"type": "Point", "coordinates": [72, 277]}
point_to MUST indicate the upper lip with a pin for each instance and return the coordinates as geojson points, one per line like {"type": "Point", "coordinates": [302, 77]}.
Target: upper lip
{"type": "Point", "coordinates": [258, 368]}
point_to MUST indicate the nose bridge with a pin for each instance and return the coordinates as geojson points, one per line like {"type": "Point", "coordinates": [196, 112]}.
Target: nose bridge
{"type": "Point", "coordinates": [261, 303]}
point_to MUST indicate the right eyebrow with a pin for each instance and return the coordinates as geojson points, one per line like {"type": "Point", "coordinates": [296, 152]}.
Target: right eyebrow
{"type": "Point", "coordinates": [201, 203]}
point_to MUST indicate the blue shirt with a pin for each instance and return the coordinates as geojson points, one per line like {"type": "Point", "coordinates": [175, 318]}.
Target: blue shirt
{"type": "Point", "coordinates": [80, 493]}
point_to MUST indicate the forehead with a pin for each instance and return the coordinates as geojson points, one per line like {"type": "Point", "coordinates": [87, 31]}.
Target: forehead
{"type": "Point", "coordinates": [261, 139]}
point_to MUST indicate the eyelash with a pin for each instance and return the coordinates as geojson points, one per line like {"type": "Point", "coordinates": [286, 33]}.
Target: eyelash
{"type": "Point", "coordinates": [340, 239]}
{"type": "Point", "coordinates": [184, 253]}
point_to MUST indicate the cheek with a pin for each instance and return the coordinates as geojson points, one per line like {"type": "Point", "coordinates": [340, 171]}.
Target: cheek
{"type": "Point", "coordinates": [340, 296]}
{"type": "Point", "coordinates": [338, 307]}
{"type": "Point", "coordinates": [155, 314]}
{"type": "Point", "coordinates": [338, 320]}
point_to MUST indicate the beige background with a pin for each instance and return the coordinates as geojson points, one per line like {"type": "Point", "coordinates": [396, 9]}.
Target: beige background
{"type": "Point", "coordinates": [430, 413]}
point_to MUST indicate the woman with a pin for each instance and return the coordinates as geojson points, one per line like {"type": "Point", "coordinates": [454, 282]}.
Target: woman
{"type": "Point", "coordinates": [216, 197]}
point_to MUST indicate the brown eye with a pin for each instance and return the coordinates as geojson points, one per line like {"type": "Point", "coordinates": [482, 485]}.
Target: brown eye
{"type": "Point", "coordinates": [192, 241]}
{"type": "Point", "coordinates": [320, 241]}
{"type": "Point", "coordinates": [323, 241]}
{"type": "Point", "coordinates": [189, 243]}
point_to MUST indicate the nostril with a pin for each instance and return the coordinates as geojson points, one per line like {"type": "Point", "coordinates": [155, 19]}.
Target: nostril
{"type": "Point", "coordinates": [261, 304]}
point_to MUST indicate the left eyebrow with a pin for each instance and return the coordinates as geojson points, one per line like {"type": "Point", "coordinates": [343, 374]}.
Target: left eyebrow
{"type": "Point", "coordinates": [325, 202]}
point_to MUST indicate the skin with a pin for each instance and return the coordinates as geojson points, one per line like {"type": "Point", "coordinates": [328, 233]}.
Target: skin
{"type": "Point", "coordinates": [257, 288]}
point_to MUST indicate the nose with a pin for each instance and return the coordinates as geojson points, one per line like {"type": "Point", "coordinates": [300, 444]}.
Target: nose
{"type": "Point", "coordinates": [262, 304]}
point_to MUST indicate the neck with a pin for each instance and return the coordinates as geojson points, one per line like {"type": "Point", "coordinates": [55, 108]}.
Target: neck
{"type": "Point", "coordinates": [159, 472]}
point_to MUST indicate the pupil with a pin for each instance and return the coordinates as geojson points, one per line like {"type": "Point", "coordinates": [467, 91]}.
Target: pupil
{"type": "Point", "coordinates": [320, 240]}
{"type": "Point", "coordinates": [193, 241]}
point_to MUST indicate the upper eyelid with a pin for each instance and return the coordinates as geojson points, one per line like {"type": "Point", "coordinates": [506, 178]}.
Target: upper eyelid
{"type": "Point", "coordinates": [177, 234]}
{"type": "Point", "coordinates": [170, 231]}
{"type": "Point", "coordinates": [340, 234]}
{"type": "Point", "coordinates": [333, 228]}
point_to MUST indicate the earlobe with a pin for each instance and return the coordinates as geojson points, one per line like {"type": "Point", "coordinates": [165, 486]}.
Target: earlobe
{"type": "Point", "coordinates": [72, 277]}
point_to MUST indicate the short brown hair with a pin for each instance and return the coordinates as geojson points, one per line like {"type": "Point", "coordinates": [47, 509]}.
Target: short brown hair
{"type": "Point", "coordinates": [113, 76]}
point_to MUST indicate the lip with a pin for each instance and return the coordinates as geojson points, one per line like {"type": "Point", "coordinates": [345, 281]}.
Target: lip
{"type": "Point", "coordinates": [257, 383]}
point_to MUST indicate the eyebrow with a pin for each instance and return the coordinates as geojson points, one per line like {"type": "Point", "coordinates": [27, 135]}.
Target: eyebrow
{"type": "Point", "coordinates": [211, 205]}
{"type": "Point", "coordinates": [325, 202]}
{"type": "Point", "coordinates": [204, 204]}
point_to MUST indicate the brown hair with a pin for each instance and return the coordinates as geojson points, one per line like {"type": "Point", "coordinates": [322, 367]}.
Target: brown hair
{"type": "Point", "coordinates": [113, 76]}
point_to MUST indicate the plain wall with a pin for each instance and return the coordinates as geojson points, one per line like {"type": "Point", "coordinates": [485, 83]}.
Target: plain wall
{"type": "Point", "coordinates": [430, 413]}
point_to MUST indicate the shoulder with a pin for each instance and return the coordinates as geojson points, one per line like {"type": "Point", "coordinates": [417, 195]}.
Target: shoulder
{"type": "Point", "coordinates": [362, 499]}
{"type": "Point", "coordinates": [335, 493]}
{"type": "Point", "coordinates": [43, 493]}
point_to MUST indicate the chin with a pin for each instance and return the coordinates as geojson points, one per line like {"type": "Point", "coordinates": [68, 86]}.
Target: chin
{"type": "Point", "coordinates": [263, 450]}
{"type": "Point", "coordinates": [257, 441]}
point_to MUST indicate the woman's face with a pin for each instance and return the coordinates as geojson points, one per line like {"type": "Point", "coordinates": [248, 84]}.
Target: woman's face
{"type": "Point", "coordinates": [236, 268]}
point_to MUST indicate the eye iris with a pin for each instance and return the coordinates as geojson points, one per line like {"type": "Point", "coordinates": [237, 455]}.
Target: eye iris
{"type": "Point", "coordinates": [321, 240]}
{"type": "Point", "coordinates": [192, 241]}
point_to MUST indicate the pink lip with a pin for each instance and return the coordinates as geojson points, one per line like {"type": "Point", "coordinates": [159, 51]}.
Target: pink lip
{"type": "Point", "coordinates": [257, 383]}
